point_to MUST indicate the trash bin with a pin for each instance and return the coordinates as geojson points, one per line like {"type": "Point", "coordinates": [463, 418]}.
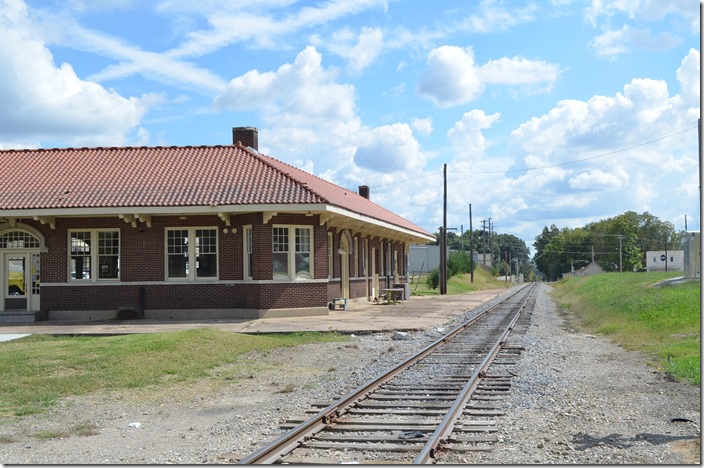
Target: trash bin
{"type": "Point", "coordinates": [406, 289]}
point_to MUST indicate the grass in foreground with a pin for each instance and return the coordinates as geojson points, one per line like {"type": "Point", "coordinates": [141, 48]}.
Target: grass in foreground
{"type": "Point", "coordinates": [459, 284]}
{"type": "Point", "coordinates": [663, 322]}
{"type": "Point", "coordinates": [39, 369]}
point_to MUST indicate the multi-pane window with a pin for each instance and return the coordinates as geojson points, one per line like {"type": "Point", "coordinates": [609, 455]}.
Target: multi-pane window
{"type": "Point", "coordinates": [18, 240]}
{"type": "Point", "coordinates": [248, 252]}
{"type": "Point", "coordinates": [94, 254]}
{"type": "Point", "coordinates": [291, 260]}
{"type": "Point", "coordinates": [191, 253]}
{"type": "Point", "coordinates": [303, 253]}
{"type": "Point", "coordinates": [108, 254]}
{"type": "Point", "coordinates": [177, 253]}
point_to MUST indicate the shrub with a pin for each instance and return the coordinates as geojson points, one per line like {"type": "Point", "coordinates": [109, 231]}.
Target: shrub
{"type": "Point", "coordinates": [433, 278]}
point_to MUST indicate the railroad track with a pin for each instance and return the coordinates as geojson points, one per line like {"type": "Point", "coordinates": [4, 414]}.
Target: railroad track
{"type": "Point", "coordinates": [444, 398]}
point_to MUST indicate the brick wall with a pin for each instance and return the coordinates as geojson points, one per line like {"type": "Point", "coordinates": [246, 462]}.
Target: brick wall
{"type": "Point", "coordinates": [142, 261]}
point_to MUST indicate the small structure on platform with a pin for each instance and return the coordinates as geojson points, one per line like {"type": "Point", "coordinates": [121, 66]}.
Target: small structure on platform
{"type": "Point", "coordinates": [664, 260]}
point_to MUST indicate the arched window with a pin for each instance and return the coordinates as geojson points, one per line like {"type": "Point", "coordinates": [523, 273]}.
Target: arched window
{"type": "Point", "coordinates": [18, 240]}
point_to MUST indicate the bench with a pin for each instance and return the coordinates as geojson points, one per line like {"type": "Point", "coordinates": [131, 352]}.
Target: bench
{"type": "Point", "coordinates": [339, 303]}
{"type": "Point", "coordinates": [392, 295]}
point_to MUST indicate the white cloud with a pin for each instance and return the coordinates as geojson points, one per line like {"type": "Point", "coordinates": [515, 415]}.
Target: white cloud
{"type": "Point", "coordinates": [689, 78]}
{"type": "Point", "coordinates": [390, 148]}
{"type": "Point", "coordinates": [647, 10]}
{"type": "Point", "coordinates": [423, 126]}
{"type": "Point", "coordinates": [598, 179]}
{"type": "Point", "coordinates": [612, 43]}
{"type": "Point", "coordinates": [625, 165]}
{"type": "Point", "coordinates": [466, 135]}
{"type": "Point", "coordinates": [360, 50]}
{"type": "Point", "coordinates": [237, 22]}
{"type": "Point", "coordinates": [42, 101]}
{"type": "Point", "coordinates": [452, 77]}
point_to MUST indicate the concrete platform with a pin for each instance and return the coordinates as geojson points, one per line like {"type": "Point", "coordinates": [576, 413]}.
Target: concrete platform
{"type": "Point", "coordinates": [416, 313]}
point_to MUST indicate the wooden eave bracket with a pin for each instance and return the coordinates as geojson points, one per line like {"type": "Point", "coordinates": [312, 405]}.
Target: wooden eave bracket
{"type": "Point", "coordinates": [50, 220]}
{"type": "Point", "coordinates": [225, 217]}
{"type": "Point", "coordinates": [146, 219]}
{"type": "Point", "coordinates": [129, 219]}
{"type": "Point", "coordinates": [267, 215]}
{"type": "Point", "coordinates": [325, 218]}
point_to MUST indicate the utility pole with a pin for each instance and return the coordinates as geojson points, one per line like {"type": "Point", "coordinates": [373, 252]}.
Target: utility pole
{"type": "Point", "coordinates": [471, 247]}
{"type": "Point", "coordinates": [484, 242]}
{"type": "Point", "coordinates": [443, 234]}
{"type": "Point", "coordinates": [491, 243]}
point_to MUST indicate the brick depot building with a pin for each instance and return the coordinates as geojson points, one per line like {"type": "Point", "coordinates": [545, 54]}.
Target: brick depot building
{"type": "Point", "coordinates": [187, 233]}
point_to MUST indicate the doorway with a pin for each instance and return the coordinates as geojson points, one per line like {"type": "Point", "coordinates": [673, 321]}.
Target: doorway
{"type": "Point", "coordinates": [21, 281]}
{"type": "Point", "coordinates": [344, 267]}
{"type": "Point", "coordinates": [19, 271]}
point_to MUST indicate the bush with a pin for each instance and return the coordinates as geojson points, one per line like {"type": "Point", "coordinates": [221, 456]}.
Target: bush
{"type": "Point", "coordinates": [458, 263]}
{"type": "Point", "coordinates": [433, 278]}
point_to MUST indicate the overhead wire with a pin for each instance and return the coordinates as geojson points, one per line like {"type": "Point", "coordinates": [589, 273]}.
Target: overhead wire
{"type": "Point", "coordinates": [526, 169]}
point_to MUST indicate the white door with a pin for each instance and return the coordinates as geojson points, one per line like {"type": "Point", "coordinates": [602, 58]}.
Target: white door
{"type": "Point", "coordinates": [21, 281]}
{"type": "Point", "coordinates": [16, 281]}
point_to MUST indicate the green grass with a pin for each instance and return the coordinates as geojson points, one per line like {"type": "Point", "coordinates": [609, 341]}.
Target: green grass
{"type": "Point", "coordinates": [39, 370]}
{"type": "Point", "coordinates": [663, 322]}
{"type": "Point", "coordinates": [459, 284]}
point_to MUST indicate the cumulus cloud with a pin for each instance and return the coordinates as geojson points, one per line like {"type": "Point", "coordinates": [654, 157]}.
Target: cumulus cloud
{"type": "Point", "coordinates": [303, 88]}
{"type": "Point", "coordinates": [466, 135]}
{"type": "Point", "coordinates": [43, 101]}
{"type": "Point", "coordinates": [423, 126]}
{"type": "Point", "coordinates": [613, 153]}
{"type": "Point", "coordinates": [452, 77]}
{"type": "Point", "coordinates": [598, 179]}
{"type": "Point", "coordinates": [390, 148]}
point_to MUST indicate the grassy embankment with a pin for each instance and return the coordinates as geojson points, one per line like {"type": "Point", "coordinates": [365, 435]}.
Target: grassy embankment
{"type": "Point", "coordinates": [663, 322]}
{"type": "Point", "coordinates": [459, 284]}
{"type": "Point", "coordinates": [39, 370]}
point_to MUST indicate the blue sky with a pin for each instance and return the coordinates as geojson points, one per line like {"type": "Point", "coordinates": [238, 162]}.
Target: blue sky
{"type": "Point", "coordinates": [545, 112]}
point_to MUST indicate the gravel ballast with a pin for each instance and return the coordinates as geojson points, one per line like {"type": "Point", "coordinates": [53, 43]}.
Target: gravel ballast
{"type": "Point", "coordinates": [576, 399]}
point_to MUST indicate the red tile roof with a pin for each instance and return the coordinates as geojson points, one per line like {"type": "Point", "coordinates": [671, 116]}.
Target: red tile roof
{"type": "Point", "coordinates": [168, 177]}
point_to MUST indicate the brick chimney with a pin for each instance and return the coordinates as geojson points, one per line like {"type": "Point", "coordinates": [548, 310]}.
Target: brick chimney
{"type": "Point", "coordinates": [364, 191]}
{"type": "Point", "coordinates": [248, 136]}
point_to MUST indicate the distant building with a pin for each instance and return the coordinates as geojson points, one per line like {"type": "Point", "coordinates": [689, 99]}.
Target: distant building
{"type": "Point", "coordinates": [424, 258]}
{"type": "Point", "coordinates": [591, 269]}
{"type": "Point", "coordinates": [664, 260]}
{"type": "Point", "coordinates": [692, 254]}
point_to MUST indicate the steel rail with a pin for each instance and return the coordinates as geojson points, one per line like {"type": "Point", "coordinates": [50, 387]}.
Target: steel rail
{"type": "Point", "coordinates": [447, 425]}
{"type": "Point", "coordinates": [286, 443]}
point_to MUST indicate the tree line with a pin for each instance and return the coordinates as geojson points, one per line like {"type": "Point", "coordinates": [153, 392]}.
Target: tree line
{"type": "Point", "coordinates": [615, 244]}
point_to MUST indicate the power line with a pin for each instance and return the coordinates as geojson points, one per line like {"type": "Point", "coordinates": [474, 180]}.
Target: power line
{"type": "Point", "coordinates": [542, 167]}
{"type": "Point", "coordinates": [583, 159]}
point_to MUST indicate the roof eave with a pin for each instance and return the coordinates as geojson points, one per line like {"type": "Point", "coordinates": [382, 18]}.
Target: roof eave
{"type": "Point", "coordinates": [331, 215]}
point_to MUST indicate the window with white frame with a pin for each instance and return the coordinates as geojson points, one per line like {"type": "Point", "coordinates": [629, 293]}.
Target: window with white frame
{"type": "Point", "coordinates": [191, 253]}
{"type": "Point", "coordinates": [247, 252]}
{"type": "Point", "coordinates": [94, 254]}
{"type": "Point", "coordinates": [291, 252]}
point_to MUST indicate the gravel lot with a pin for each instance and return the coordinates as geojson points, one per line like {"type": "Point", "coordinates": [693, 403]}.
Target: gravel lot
{"type": "Point", "coordinates": [576, 399]}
